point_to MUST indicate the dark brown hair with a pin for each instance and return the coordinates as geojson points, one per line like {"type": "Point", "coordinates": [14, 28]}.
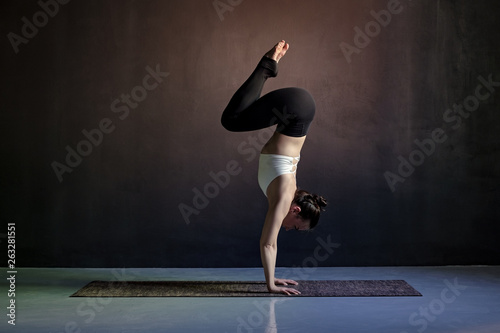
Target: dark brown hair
{"type": "Point", "coordinates": [311, 205]}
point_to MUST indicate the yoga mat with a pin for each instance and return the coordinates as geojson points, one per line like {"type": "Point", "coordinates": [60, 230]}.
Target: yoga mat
{"type": "Point", "coordinates": [325, 288]}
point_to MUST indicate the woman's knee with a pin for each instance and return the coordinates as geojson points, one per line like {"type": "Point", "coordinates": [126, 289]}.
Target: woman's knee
{"type": "Point", "coordinates": [300, 103]}
{"type": "Point", "coordinates": [227, 123]}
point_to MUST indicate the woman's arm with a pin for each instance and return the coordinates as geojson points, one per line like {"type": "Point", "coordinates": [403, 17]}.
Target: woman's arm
{"type": "Point", "coordinates": [268, 243]}
{"type": "Point", "coordinates": [278, 209]}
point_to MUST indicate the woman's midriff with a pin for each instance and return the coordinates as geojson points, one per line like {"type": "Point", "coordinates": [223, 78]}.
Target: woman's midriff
{"type": "Point", "coordinates": [284, 145]}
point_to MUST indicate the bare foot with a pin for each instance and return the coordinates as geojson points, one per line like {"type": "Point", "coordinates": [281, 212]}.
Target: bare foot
{"type": "Point", "coordinates": [278, 51]}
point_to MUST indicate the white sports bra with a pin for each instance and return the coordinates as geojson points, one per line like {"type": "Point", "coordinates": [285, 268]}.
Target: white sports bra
{"type": "Point", "coordinates": [272, 166]}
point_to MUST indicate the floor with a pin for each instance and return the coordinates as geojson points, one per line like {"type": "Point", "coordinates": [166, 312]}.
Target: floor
{"type": "Point", "coordinates": [455, 299]}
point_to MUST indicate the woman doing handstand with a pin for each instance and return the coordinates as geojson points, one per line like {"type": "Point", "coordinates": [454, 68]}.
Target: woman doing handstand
{"type": "Point", "coordinates": [292, 110]}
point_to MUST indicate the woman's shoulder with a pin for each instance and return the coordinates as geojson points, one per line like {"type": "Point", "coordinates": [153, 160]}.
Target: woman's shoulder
{"type": "Point", "coordinates": [282, 190]}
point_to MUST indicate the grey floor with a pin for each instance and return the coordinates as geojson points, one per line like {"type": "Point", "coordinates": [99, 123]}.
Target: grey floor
{"type": "Point", "coordinates": [455, 299]}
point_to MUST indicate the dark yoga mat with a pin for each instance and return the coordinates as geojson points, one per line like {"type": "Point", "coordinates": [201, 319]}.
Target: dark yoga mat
{"type": "Point", "coordinates": [327, 288]}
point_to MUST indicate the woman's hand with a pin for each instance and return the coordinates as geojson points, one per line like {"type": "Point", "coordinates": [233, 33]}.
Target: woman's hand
{"type": "Point", "coordinates": [285, 282]}
{"type": "Point", "coordinates": [284, 290]}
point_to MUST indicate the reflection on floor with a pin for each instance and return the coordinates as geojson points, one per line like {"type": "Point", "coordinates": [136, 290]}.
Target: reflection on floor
{"type": "Point", "coordinates": [455, 299]}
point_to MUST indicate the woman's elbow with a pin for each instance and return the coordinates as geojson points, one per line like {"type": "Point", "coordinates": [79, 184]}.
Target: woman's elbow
{"type": "Point", "coordinates": [267, 245]}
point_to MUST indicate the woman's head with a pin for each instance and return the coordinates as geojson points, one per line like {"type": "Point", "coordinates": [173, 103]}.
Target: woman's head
{"type": "Point", "coordinates": [311, 205]}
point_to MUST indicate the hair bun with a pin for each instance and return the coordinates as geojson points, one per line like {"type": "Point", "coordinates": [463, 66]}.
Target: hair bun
{"type": "Point", "coordinates": [311, 206]}
{"type": "Point", "coordinates": [320, 201]}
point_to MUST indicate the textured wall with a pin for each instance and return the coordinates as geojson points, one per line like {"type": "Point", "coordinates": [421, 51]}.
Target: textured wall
{"type": "Point", "coordinates": [110, 125]}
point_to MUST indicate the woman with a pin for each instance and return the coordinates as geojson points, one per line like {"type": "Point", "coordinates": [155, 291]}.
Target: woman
{"type": "Point", "coordinates": [292, 110]}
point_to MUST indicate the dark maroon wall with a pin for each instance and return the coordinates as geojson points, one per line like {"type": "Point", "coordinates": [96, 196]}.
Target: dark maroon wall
{"type": "Point", "coordinates": [139, 86]}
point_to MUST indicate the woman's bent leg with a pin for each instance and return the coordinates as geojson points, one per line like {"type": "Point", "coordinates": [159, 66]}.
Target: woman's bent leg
{"type": "Point", "coordinates": [244, 113]}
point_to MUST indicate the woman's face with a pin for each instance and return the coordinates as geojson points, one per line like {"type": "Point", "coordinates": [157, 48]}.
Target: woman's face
{"type": "Point", "coordinates": [293, 221]}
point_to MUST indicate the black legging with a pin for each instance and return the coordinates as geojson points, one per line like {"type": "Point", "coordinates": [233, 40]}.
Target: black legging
{"type": "Point", "coordinates": [291, 108]}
